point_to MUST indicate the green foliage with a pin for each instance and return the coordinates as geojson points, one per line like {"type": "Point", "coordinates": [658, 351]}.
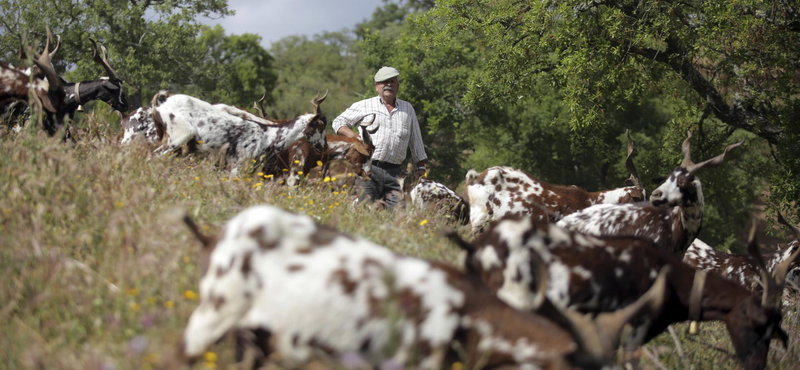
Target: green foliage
{"type": "Point", "coordinates": [306, 67]}
{"type": "Point", "coordinates": [236, 69]}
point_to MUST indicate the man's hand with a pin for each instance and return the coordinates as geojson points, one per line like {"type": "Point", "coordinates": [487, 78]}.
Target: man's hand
{"type": "Point", "coordinates": [422, 173]}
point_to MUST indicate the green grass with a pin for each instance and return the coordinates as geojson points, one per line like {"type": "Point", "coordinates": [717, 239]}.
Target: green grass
{"type": "Point", "coordinates": [100, 273]}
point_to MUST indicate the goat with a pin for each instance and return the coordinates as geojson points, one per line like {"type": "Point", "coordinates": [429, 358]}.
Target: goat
{"type": "Point", "coordinates": [673, 217]}
{"type": "Point", "coordinates": [48, 89]}
{"type": "Point", "coordinates": [600, 274]}
{"type": "Point", "coordinates": [307, 287]}
{"type": "Point", "coordinates": [300, 156]}
{"type": "Point", "coordinates": [431, 192]}
{"type": "Point", "coordinates": [741, 268]}
{"type": "Point", "coordinates": [108, 90]}
{"type": "Point", "coordinates": [204, 127]}
{"type": "Point", "coordinates": [500, 191]}
{"type": "Point", "coordinates": [138, 123]}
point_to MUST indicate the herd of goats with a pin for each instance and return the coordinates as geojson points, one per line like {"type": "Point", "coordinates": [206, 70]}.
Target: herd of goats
{"type": "Point", "coordinates": [549, 281]}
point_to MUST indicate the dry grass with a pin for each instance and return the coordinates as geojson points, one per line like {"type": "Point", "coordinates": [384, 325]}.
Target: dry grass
{"type": "Point", "coordinates": [99, 272]}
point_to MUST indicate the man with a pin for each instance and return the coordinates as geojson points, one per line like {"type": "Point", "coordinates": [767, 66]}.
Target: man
{"type": "Point", "coordinates": [398, 131]}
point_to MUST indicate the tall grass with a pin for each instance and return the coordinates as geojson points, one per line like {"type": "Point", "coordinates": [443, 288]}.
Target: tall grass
{"type": "Point", "coordinates": [100, 273]}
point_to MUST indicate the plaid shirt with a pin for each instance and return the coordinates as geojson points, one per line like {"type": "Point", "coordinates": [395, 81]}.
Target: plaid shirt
{"type": "Point", "coordinates": [399, 129]}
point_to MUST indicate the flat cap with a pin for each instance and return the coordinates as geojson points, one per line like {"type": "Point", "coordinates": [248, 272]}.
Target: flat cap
{"type": "Point", "coordinates": [386, 73]}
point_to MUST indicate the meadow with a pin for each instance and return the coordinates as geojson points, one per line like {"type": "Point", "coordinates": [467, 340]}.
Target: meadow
{"type": "Point", "coordinates": [100, 272]}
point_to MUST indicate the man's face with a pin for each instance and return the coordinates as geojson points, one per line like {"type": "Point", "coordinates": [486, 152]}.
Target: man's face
{"type": "Point", "coordinates": [388, 89]}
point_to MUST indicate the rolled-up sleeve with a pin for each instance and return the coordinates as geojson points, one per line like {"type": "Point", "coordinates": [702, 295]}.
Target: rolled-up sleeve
{"type": "Point", "coordinates": [349, 117]}
{"type": "Point", "coordinates": [417, 148]}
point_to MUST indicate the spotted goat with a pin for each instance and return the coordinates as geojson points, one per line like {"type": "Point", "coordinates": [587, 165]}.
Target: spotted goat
{"type": "Point", "coordinates": [243, 137]}
{"type": "Point", "coordinates": [300, 157]}
{"type": "Point", "coordinates": [742, 268]}
{"type": "Point", "coordinates": [599, 274]}
{"type": "Point", "coordinates": [671, 220]}
{"type": "Point", "coordinates": [500, 191]}
{"type": "Point", "coordinates": [47, 88]}
{"type": "Point", "coordinates": [431, 193]}
{"type": "Point", "coordinates": [307, 289]}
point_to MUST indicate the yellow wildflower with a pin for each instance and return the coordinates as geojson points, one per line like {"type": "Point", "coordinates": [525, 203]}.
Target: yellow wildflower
{"type": "Point", "coordinates": [190, 295]}
{"type": "Point", "coordinates": [310, 202]}
{"type": "Point", "coordinates": [210, 356]}
{"type": "Point", "coordinates": [288, 197]}
{"type": "Point", "coordinates": [301, 209]}
{"type": "Point", "coordinates": [134, 306]}
{"type": "Point", "coordinates": [224, 179]}
{"type": "Point", "coordinates": [281, 182]}
{"type": "Point", "coordinates": [248, 179]}
{"type": "Point", "coordinates": [333, 179]}
{"type": "Point", "coordinates": [344, 186]}
{"type": "Point", "coordinates": [235, 179]}
{"type": "Point", "coordinates": [169, 304]}
{"type": "Point", "coordinates": [335, 193]}
{"type": "Point", "coordinates": [151, 300]}
{"type": "Point", "coordinates": [350, 174]}
{"type": "Point", "coordinates": [457, 366]}
{"type": "Point", "coordinates": [133, 292]}
{"type": "Point", "coordinates": [199, 141]}
{"type": "Point", "coordinates": [119, 204]}
{"type": "Point", "coordinates": [186, 259]}
{"type": "Point", "coordinates": [269, 176]}
{"type": "Point", "coordinates": [254, 161]}
{"type": "Point", "coordinates": [197, 177]}
{"type": "Point", "coordinates": [326, 179]}
{"type": "Point", "coordinates": [299, 172]}
{"type": "Point", "coordinates": [319, 163]}
{"type": "Point", "coordinates": [337, 203]}
{"type": "Point", "coordinates": [296, 162]}
{"type": "Point", "coordinates": [258, 184]}
{"type": "Point", "coordinates": [205, 227]}
{"type": "Point", "coordinates": [260, 174]}
{"type": "Point", "coordinates": [285, 170]}
{"type": "Point", "coordinates": [310, 213]}
{"type": "Point", "coordinates": [423, 223]}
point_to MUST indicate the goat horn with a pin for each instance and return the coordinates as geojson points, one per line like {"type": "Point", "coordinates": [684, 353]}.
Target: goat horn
{"type": "Point", "coordinates": [318, 100]}
{"type": "Point", "coordinates": [207, 241]}
{"type": "Point", "coordinates": [767, 282]}
{"type": "Point", "coordinates": [634, 178]}
{"type": "Point", "coordinates": [103, 61]}
{"type": "Point", "coordinates": [542, 273]}
{"type": "Point", "coordinates": [609, 325]}
{"type": "Point", "coordinates": [783, 221]}
{"type": "Point", "coordinates": [713, 162]}
{"type": "Point", "coordinates": [45, 64]}
{"type": "Point", "coordinates": [686, 149]}
{"type": "Point", "coordinates": [58, 43]}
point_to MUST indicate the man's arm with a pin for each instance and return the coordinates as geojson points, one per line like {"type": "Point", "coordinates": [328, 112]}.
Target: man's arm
{"type": "Point", "coordinates": [347, 131]}
{"type": "Point", "coordinates": [417, 148]}
{"type": "Point", "coordinates": [341, 124]}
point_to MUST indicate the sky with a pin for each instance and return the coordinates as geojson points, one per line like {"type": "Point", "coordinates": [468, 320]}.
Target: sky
{"type": "Point", "coordinates": [276, 19]}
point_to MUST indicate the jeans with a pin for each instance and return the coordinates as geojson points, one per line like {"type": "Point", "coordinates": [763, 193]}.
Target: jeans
{"type": "Point", "coordinates": [383, 185]}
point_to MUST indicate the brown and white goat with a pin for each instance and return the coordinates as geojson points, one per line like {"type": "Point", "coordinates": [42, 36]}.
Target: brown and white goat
{"type": "Point", "coordinates": [206, 127]}
{"type": "Point", "coordinates": [300, 157]}
{"type": "Point", "coordinates": [500, 191]}
{"type": "Point", "coordinates": [306, 287]}
{"type": "Point", "coordinates": [601, 274]}
{"type": "Point", "coordinates": [671, 220]}
{"type": "Point", "coordinates": [47, 89]}
{"type": "Point", "coordinates": [741, 268]}
{"type": "Point", "coordinates": [431, 193]}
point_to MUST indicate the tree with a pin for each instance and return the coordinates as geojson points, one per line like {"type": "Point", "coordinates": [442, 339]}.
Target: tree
{"type": "Point", "coordinates": [152, 43]}
{"type": "Point", "coordinates": [305, 67]}
{"type": "Point", "coordinates": [235, 69]}
{"type": "Point", "coordinates": [725, 65]}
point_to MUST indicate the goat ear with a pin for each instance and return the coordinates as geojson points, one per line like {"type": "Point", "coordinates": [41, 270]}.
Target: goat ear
{"type": "Point", "coordinates": [110, 86]}
{"type": "Point", "coordinates": [659, 180]}
{"type": "Point", "coordinates": [45, 98]}
{"type": "Point", "coordinates": [361, 149]}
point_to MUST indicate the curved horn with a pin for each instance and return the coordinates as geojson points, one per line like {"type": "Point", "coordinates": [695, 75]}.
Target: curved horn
{"type": "Point", "coordinates": [634, 178]}
{"type": "Point", "coordinates": [259, 106]}
{"type": "Point", "coordinates": [713, 162]}
{"type": "Point", "coordinates": [58, 43]}
{"type": "Point", "coordinates": [794, 229]}
{"type": "Point", "coordinates": [45, 64]}
{"type": "Point", "coordinates": [767, 295]}
{"type": "Point", "coordinates": [317, 101]}
{"type": "Point", "coordinates": [103, 61]}
{"type": "Point", "coordinates": [686, 149]}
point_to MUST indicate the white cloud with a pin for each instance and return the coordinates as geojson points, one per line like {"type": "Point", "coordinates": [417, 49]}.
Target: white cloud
{"type": "Point", "coordinates": [276, 19]}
